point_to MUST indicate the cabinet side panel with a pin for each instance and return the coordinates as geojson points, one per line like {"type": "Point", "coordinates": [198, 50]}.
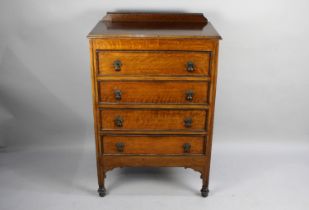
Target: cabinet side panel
{"type": "Point", "coordinates": [95, 113]}
{"type": "Point", "coordinates": [214, 71]}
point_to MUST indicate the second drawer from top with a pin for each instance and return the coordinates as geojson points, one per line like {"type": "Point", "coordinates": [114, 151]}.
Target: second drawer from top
{"type": "Point", "coordinates": [153, 92]}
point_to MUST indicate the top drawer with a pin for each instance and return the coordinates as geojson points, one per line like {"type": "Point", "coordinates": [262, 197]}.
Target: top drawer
{"type": "Point", "coordinates": [192, 63]}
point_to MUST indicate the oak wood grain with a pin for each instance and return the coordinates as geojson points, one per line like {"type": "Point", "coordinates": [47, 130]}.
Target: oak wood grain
{"type": "Point", "coordinates": [153, 132]}
{"type": "Point", "coordinates": [153, 43]}
{"type": "Point", "coordinates": [153, 145]}
{"type": "Point", "coordinates": [153, 106]}
{"type": "Point", "coordinates": [153, 62]}
{"type": "Point", "coordinates": [163, 92]}
{"type": "Point", "coordinates": [161, 17]}
{"type": "Point", "coordinates": [152, 119]}
{"type": "Point", "coordinates": [153, 50]}
{"type": "Point", "coordinates": [139, 77]}
{"type": "Point", "coordinates": [160, 25]}
{"type": "Point", "coordinates": [196, 162]}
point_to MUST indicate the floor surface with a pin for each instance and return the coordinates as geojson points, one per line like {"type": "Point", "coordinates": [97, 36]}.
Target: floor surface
{"type": "Point", "coordinates": [243, 176]}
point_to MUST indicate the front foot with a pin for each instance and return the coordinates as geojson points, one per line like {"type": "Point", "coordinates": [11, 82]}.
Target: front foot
{"type": "Point", "coordinates": [102, 191]}
{"type": "Point", "coordinates": [204, 191]}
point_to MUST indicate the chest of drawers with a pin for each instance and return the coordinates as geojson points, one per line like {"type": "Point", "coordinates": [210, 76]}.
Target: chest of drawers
{"type": "Point", "coordinates": [153, 85]}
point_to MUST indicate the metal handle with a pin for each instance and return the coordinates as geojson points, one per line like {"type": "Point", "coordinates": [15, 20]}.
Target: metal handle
{"type": "Point", "coordinates": [120, 146]}
{"type": "Point", "coordinates": [118, 121]}
{"type": "Point", "coordinates": [186, 147]}
{"type": "Point", "coordinates": [188, 122]}
{"type": "Point", "coordinates": [189, 95]}
{"type": "Point", "coordinates": [117, 65]}
{"type": "Point", "coordinates": [190, 66]}
{"type": "Point", "coordinates": [118, 94]}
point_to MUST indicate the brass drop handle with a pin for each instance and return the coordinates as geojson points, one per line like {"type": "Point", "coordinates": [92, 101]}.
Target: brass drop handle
{"type": "Point", "coordinates": [189, 95]}
{"type": "Point", "coordinates": [118, 94]}
{"type": "Point", "coordinates": [190, 66]}
{"type": "Point", "coordinates": [118, 121]}
{"type": "Point", "coordinates": [120, 146]}
{"type": "Point", "coordinates": [188, 122]}
{"type": "Point", "coordinates": [117, 65]}
{"type": "Point", "coordinates": [186, 147]}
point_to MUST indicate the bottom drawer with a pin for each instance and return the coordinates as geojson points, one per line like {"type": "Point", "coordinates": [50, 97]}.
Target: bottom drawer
{"type": "Point", "coordinates": [153, 144]}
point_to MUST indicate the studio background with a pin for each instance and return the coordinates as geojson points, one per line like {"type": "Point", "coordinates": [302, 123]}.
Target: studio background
{"type": "Point", "coordinates": [261, 132]}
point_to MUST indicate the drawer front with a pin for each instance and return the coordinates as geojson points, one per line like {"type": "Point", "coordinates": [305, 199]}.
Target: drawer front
{"type": "Point", "coordinates": [164, 92]}
{"type": "Point", "coordinates": [131, 119]}
{"type": "Point", "coordinates": [153, 63]}
{"type": "Point", "coordinates": [153, 145]}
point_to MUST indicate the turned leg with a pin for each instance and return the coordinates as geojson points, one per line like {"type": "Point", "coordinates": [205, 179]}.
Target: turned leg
{"type": "Point", "coordinates": [102, 190]}
{"type": "Point", "coordinates": [205, 190]}
{"type": "Point", "coordinates": [101, 180]}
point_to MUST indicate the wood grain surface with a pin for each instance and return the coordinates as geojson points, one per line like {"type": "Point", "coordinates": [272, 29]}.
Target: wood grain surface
{"type": "Point", "coordinates": [157, 92]}
{"type": "Point", "coordinates": [153, 79]}
{"type": "Point", "coordinates": [153, 144]}
{"type": "Point", "coordinates": [153, 62]}
{"type": "Point", "coordinates": [152, 119]}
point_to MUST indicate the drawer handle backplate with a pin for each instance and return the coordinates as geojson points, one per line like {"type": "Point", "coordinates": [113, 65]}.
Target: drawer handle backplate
{"type": "Point", "coordinates": [117, 65]}
{"type": "Point", "coordinates": [186, 147]}
{"type": "Point", "coordinates": [189, 95]}
{"type": "Point", "coordinates": [120, 146]}
{"type": "Point", "coordinates": [118, 121]}
{"type": "Point", "coordinates": [188, 122]}
{"type": "Point", "coordinates": [118, 94]}
{"type": "Point", "coordinates": [190, 66]}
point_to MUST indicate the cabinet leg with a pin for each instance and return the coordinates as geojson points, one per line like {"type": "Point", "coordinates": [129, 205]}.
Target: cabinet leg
{"type": "Point", "coordinates": [101, 180]}
{"type": "Point", "coordinates": [205, 190]}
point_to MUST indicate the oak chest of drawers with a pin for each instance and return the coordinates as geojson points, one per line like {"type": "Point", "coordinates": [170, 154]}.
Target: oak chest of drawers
{"type": "Point", "coordinates": [153, 86]}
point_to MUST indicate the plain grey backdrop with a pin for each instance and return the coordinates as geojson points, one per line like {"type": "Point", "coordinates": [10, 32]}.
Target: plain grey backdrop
{"type": "Point", "coordinates": [260, 158]}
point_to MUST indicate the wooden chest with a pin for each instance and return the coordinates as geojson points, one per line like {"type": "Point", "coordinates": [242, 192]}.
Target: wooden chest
{"type": "Point", "coordinates": [153, 85]}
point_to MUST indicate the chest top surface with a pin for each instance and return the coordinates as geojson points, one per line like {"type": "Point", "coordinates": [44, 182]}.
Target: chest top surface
{"type": "Point", "coordinates": [154, 25]}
